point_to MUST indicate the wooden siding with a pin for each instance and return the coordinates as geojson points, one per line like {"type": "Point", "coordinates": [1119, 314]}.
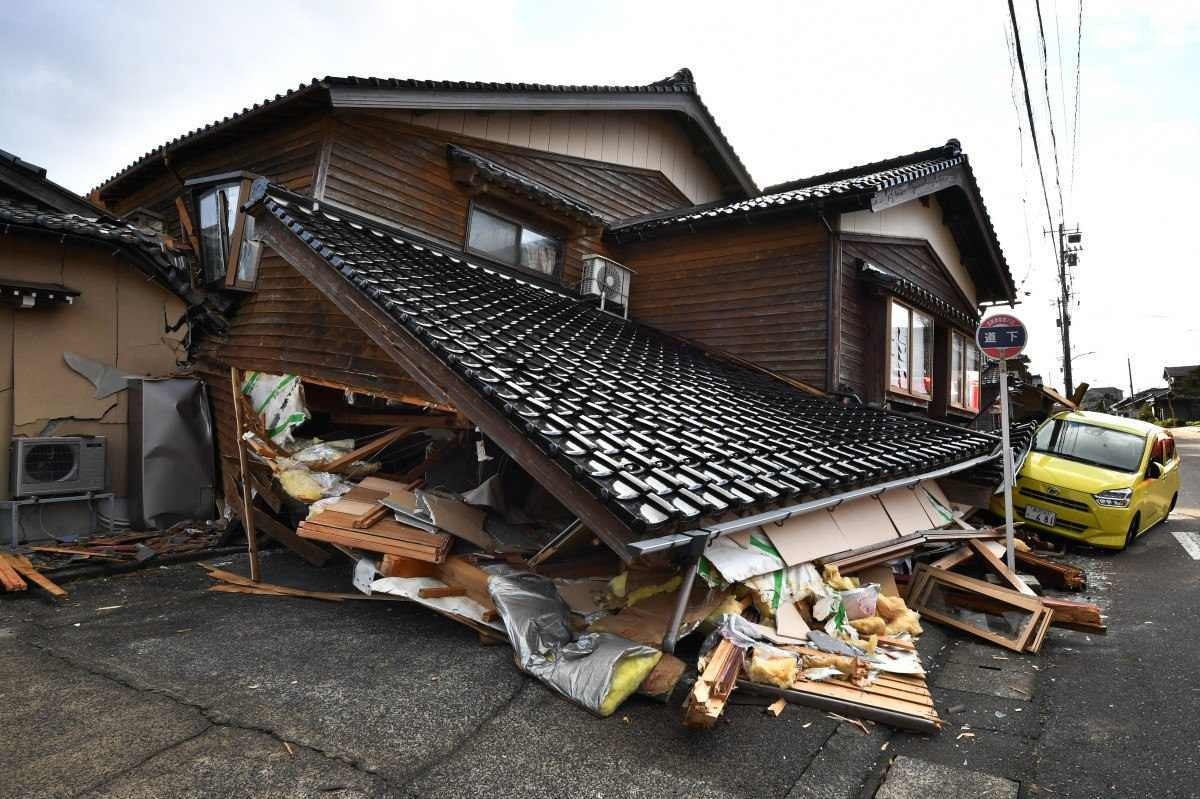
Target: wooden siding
{"type": "Point", "coordinates": [863, 343]}
{"type": "Point", "coordinates": [758, 293]}
{"type": "Point", "coordinates": [647, 139]}
{"type": "Point", "coordinates": [909, 260]}
{"type": "Point", "coordinates": [613, 192]}
{"type": "Point", "coordinates": [287, 326]}
{"type": "Point", "coordinates": [400, 174]}
{"type": "Point", "coordinates": [286, 155]}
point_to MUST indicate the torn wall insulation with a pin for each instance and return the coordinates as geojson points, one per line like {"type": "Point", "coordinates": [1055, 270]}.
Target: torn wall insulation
{"type": "Point", "coordinates": [171, 469]}
{"type": "Point", "coordinates": [279, 400]}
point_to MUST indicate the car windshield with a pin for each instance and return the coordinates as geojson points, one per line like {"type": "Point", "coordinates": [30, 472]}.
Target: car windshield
{"type": "Point", "coordinates": [1089, 443]}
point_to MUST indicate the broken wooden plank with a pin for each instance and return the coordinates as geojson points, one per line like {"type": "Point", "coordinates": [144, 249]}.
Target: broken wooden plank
{"type": "Point", "coordinates": [711, 691]}
{"type": "Point", "coordinates": [9, 578]}
{"type": "Point", "coordinates": [22, 566]}
{"type": "Point", "coordinates": [1054, 575]}
{"type": "Point", "coordinates": [1078, 616]}
{"type": "Point", "coordinates": [985, 553]}
{"type": "Point", "coordinates": [365, 451]}
{"type": "Point", "coordinates": [440, 591]}
{"type": "Point", "coordinates": [400, 566]}
{"type": "Point", "coordinates": [372, 516]}
{"type": "Point", "coordinates": [243, 472]}
{"type": "Point", "coordinates": [956, 590]}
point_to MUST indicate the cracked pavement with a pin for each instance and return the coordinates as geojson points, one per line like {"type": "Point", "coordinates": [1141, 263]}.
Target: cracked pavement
{"type": "Point", "coordinates": [148, 685]}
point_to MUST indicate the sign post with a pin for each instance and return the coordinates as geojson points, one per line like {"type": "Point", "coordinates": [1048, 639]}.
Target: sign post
{"type": "Point", "coordinates": [1002, 337]}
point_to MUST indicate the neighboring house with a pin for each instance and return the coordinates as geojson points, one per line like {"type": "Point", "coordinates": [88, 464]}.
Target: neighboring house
{"type": "Point", "coordinates": [1183, 401]}
{"type": "Point", "coordinates": [1150, 402]}
{"type": "Point", "coordinates": [1101, 398]}
{"type": "Point", "coordinates": [425, 243]}
{"type": "Point", "coordinates": [75, 279]}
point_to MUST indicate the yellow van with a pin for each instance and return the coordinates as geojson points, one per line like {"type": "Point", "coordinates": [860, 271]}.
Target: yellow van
{"type": "Point", "coordinates": [1100, 479]}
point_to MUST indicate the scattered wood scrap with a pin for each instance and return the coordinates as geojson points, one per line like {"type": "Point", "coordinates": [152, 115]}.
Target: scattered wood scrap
{"type": "Point", "coordinates": [714, 685]}
{"type": "Point", "coordinates": [231, 583]}
{"type": "Point", "coordinates": [386, 536]}
{"type": "Point", "coordinates": [18, 566]}
{"type": "Point", "coordinates": [901, 701]}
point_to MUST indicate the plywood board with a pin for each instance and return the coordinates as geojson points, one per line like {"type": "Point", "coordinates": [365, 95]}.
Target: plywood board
{"type": "Point", "coordinates": [863, 522]}
{"type": "Point", "coordinates": [459, 519]}
{"type": "Point", "coordinates": [807, 537]}
{"type": "Point", "coordinates": [789, 622]}
{"type": "Point", "coordinates": [937, 517]}
{"type": "Point", "coordinates": [905, 510]}
{"type": "Point", "coordinates": [882, 576]}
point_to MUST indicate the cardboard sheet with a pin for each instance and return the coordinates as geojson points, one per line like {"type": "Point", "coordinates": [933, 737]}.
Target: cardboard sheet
{"type": "Point", "coordinates": [459, 519]}
{"type": "Point", "coordinates": [905, 511]}
{"type": "Point", "coordinates": [864, 522]}
{"type": "Point", "coordinates": [929, 494]}
{"type": "Point", "coordinates": [789, 623]}
{"type": "Point", "coordinates": [805, 538]}
{"type": "Point", "coordinates": [882, 576]}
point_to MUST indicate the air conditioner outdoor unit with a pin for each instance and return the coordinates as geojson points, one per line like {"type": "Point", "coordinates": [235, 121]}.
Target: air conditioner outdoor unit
{"type": "Point", "coordinates": [58, 465]}
{"type": "Point", "coordinates": [608, 280]}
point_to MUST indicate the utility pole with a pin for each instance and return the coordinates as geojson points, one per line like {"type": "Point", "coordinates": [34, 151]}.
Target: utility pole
{"type": "Point", "coordinates": [1129, 367]}
{"type": "Point", "coordinates": [1069, 247]}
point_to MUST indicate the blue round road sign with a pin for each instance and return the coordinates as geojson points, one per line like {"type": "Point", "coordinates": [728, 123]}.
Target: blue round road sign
{"type": "Point", "coordinates": [1001, 336]}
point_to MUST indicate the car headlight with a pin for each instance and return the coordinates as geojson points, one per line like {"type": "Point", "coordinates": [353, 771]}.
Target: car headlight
{"type": "Point", "coordinates": [1116, 498]}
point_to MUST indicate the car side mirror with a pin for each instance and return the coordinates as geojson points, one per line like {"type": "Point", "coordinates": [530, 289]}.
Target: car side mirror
{"type": "Point", "coordinates": [1154, 470]}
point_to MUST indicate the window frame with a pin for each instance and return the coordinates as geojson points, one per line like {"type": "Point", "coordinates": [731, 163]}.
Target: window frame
{"type": "Point", "coordinates": [910, 394]}
{"type": "Point", "coordinates": [522, 226]}
{"type": "Point", "coordinates": [231, 238]}
{"type": "Point", "coordinates": [969, 346]}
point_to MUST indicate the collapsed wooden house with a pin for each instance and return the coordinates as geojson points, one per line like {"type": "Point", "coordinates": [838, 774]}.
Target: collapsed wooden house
{"type": "Point", "coordinates": [462, 257]}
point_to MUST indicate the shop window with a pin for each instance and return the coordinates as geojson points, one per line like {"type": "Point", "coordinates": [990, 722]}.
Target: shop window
{"type": "Point", "coordinates": [911, 351]}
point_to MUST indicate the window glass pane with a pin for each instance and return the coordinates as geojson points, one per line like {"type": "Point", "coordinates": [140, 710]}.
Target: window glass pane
{"type": "Point", "coordinates": [211, 241]}
{"type": "Point", "coordinates": [956, 370]}
{"type": "Point", "coordinates": [973, 357]}
{"type": "Point", "coordinates": [900, 322]}
{"type": "Point", "coordinates": [231, 207]}
{"type": "Point", "coordinates": [538, 252]}
{"type": "Point", "coordinates": [922, 354]}
{"type": "Point", "coordinates": [494, 237]}
{"type": "Point", "coordinates": [247, 264]}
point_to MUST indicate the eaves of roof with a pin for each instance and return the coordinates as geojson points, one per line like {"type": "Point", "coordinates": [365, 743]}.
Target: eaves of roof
{"type": "Point", "coordinates": [676, 92]}
{"type": "Point", "coordinates": [526, 186]}
{"type": "Point", "coordinates": [921, 297]}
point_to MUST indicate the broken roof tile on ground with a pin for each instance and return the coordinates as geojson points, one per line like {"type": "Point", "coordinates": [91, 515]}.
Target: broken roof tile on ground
{"type": "Point", "coordinates": [663, 433]}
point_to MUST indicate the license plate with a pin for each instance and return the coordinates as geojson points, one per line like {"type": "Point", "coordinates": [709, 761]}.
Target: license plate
{"type": "Point", "coordinates": [1040, 516]}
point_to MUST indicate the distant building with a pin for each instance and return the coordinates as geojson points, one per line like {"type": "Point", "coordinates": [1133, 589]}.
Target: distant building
{"type": "Point", "coordinates": [1150, 401]}
{"type": "Point", "coordinates": [1183, 383]}
{"type": "Point", "coordinates": [1101, 398]}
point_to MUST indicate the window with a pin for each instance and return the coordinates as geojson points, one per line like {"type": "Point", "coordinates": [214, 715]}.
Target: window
{"type": "Point", "coordinates": [1091, 444]}
{"type": "Point", "coordinates": [229, 250]}
{"type": "Point", "coordinates": [964, 372]}
{"type": "Point", "coordinates": [911, 351]}
{"type": "Point", "coordinates": [511, 243]}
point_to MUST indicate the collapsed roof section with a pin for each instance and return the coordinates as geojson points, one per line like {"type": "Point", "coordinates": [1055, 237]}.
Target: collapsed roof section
{"type": "Point", "coordinates": [636, 432]}
{"type": "Point", "coordinates": [874, 187]}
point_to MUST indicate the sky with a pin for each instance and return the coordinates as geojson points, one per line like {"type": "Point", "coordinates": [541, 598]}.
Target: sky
{"type": "Point", "coordinates": [799, 88]}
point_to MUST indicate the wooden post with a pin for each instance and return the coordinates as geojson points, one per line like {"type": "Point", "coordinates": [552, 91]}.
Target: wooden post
{"type": "Point", "coordinates": [243, 476]}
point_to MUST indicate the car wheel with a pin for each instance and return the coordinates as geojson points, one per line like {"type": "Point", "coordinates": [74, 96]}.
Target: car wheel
{"type": "Point", "coordinates": [1133, 531]}
{"type": "Point", "coordinates": [1174, 499]}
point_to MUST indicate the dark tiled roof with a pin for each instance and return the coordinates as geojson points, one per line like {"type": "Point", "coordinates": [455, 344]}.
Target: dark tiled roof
{"type": "Point", "coordinates": [515, 181]}
{"type": "Point", "coordinates": [857, 181]}
{"type": "Point", "coordinates": [921, 297]}
{"type": "Point", "coordinates": [681, 82]}
{"type": "Point", "coordinates": [1181, 371]}
{"type": "Point", "coordinates": [26, 215]}
{"type": "Point", "coordinates": [663, 434]}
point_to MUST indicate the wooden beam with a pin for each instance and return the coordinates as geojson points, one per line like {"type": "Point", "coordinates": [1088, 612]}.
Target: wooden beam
{"type": "Point", "coordinates": [313, 553]}
{"type": "Point", "coordinates": [247, 513]}
{"type": "Point", "coordinates": [443, 384]}
{"type": "Point", "coordinates": [1000, 567]}
{"type": "Point", "coordinates": [21, 564]}
{"type": "Point", "coordinates": [365, 451]}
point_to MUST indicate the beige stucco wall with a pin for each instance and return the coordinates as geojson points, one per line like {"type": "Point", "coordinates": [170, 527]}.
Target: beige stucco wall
{"type": "Point", "coordinates": [914, 219]}
{"type": "Point", "coordinates": [117, 320]}
{"type": "Point", "coordinates": [648, 139]}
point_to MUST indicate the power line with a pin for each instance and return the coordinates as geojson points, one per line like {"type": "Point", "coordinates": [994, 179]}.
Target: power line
{"type": "Point", "coordinates": [1062, 84]}
{"type": "Point", "coordinates": [1012, 93]}
{"type": "Point", "coordinates": [1075, 124]}
{"type": "Point", "coordinates": [1037, 152]}
{"type": "Point", "coordinates": [1037, 4]}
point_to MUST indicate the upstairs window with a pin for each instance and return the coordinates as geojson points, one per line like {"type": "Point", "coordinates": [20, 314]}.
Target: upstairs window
{"type": "Point", "coordinates": [229, 249]}
{"type": "Point", "coordinates": [964, 372]}
{"type": "Point", "coordinates": [911, 350]}
{"type": "Point", "coordinates": [510, 242]}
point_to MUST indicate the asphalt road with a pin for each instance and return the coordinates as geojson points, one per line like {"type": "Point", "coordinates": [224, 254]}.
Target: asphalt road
{"type": "Point", "coordinates": [151, 686]}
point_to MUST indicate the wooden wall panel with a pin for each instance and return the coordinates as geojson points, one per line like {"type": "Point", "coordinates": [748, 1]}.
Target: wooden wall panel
{"type": "Point", "coordinates": [286, 155]}
{"type": "Point", "coordinates": [863, 338]}
{"type": "Point", "coordinates": [756, 292]}
{"type": "Point", "coordinates": [911, 261]}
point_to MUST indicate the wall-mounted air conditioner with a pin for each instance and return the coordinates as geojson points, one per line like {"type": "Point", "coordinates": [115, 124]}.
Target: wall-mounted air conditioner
{"type": "Point", "coordinates": [608, 280]}
{"type": "Point", "coordinates": [58, 465]}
